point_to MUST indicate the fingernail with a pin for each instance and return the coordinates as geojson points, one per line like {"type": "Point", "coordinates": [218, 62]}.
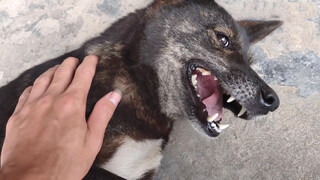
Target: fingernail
{"type": "Point", "coordinates": [115, 97]}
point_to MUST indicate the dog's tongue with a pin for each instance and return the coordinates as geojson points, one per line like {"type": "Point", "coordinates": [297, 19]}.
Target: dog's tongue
{"type": "Point", "coordinates": [210, 93]}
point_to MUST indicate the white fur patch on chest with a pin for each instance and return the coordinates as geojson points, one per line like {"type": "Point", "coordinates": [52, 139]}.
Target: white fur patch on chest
{"type": "Point", "coordinates": [134, 158]}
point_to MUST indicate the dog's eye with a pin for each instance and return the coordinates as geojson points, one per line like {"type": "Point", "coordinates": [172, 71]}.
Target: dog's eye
{"type": "Point", "coordinates": [223, 39]}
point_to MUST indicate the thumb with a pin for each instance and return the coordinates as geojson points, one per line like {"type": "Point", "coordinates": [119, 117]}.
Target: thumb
{"type": "Point", "coordinates": [100, 117]}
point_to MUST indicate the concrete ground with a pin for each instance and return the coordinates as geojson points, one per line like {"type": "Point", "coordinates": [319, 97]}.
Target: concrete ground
{"type": "Point", "coordinates": [282, 145]}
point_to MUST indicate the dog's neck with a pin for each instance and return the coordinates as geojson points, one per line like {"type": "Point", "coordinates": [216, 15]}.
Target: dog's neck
{"type": "Point", "coordinates": [128, 68]}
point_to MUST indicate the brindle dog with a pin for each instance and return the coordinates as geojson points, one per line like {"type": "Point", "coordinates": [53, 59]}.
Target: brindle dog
{"type": "Point", "coordinates": [175, 59]}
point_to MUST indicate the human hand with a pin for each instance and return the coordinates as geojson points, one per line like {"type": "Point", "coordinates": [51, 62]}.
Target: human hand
{"type": "Point", "coordinates": [48, 137]}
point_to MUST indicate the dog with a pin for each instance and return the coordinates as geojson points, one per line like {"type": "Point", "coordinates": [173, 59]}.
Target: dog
{"type": "Point", "coordinates": [175, 59]}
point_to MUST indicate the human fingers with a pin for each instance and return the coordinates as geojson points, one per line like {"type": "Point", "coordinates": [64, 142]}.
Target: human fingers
{"type": "Point", "coordinates": [63, 76]}
{"type": "Point", "coordinates": [83, 77]}
{"type": "Point", "coordinates": [41, 84]}
{"type": "Point", "coordinates": [23, 99]}
{"type": "Point", "coordinates": [100, 118]}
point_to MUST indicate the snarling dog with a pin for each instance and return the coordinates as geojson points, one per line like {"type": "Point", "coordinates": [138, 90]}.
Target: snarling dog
{"type": "Point", "coordinates": [175, 59]}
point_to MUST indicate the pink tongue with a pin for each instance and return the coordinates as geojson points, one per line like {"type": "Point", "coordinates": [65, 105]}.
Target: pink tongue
{"type": "Point", "coordinates": [210, 94]}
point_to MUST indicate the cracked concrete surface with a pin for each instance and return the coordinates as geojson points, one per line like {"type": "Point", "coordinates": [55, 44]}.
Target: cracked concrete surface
{"type": "Point", "coordinates": [282, 145]}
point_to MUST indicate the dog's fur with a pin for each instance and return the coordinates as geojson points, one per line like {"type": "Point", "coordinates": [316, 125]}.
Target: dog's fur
{"type": "Point", "coordinates": [145, 55]}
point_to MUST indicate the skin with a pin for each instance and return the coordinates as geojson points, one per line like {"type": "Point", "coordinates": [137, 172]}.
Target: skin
{"type": "Point", "coordinates": [48, 137]}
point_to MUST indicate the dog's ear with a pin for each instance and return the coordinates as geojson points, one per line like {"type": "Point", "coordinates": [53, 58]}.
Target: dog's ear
{"type": "Point", "coordinates": [257, 30]}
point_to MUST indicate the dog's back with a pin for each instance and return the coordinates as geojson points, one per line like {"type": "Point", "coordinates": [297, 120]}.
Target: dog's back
{"type": "Point", "coordinates": [138, 130]}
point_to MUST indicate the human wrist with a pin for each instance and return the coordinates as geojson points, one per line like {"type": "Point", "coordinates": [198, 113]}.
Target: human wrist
{"type": "Point", "coordinates": [20, 173]}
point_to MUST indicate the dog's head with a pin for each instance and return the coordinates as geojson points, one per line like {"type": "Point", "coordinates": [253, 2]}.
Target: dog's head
{"type": "Point", "coordinates": [201, 57]}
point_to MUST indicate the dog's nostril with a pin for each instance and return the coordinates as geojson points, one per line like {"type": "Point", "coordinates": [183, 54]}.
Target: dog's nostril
{"type": "Point", "coordinates": [269, 99]}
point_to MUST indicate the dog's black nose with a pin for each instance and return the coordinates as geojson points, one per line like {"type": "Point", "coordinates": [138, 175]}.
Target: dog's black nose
{"type": "Point", "coordinates": [269, 99]}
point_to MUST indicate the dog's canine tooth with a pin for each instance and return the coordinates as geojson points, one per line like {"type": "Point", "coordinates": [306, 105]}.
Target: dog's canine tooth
{"type": "Point", "coordinates": [194, 80]}
{"type": "Point", "coordinates": [206, 73]}
{"type": "Point", "coordinates": [231, 99]}
{"type": "Point", "coordinates": [215, 78]}
{"type": "Point", "coordinates": [212, 118]}
{"type": "Point", "coordinates": [203, 71]}
{"type": "Point", "coordinates": [223, 126]}
{"type": "Point", "coordinates": [243, 110]}
{"type": "Point", "coordinates": [200, 69]}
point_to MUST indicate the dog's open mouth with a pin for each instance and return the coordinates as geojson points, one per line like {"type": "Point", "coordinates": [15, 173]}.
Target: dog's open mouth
{"type": "Point", "coordinates": [208, 97]}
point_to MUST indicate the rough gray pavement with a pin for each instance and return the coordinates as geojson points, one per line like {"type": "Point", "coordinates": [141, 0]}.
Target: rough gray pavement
{"type": "Point", "coordinates": [282, 145]}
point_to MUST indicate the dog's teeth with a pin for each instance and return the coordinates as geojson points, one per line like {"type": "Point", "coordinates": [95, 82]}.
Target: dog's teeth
{"type": "Point", "coordinates": [223, 126]}
{"type": "Point", "coordinates": [215, 78]}
{"type": "Point", "coordinates": [213, 118]}
{"type": "Point", "coordinates": [243, 110]}
{"type": "Point", "coordinates": [194, 83]}
{"type": "Point", "coordinates": [194, 80]}
{"type": "Point", "coordinates": [200, 69]}
{"type": "Point", "coordinates": [206, 73]}
{"type": "Point", "coordinates": [231, 99]}
{"type": "Point", "coordinates": [198, 95]}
